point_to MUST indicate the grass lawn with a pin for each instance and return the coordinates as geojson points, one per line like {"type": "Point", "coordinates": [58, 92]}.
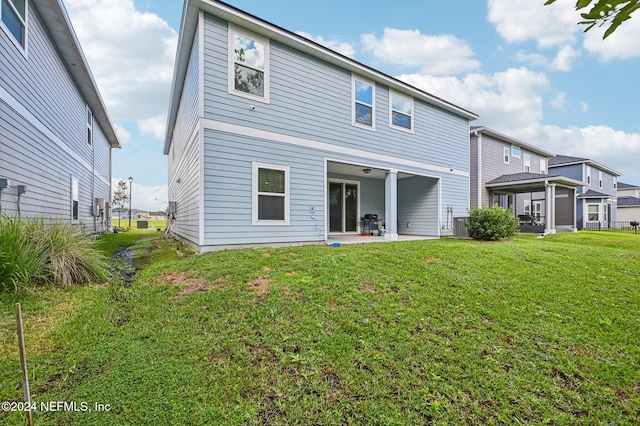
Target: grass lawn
{"type": "Point", "coordinates": [448, 331]}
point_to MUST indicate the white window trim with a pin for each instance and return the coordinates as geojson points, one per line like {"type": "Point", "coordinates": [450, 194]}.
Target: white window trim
{"type": "Point", "coordinates": [74, 182]}
{"type": "Point", "coordinates": [21, 48]}
{"type": "Point", "coordinates": [88, 114]}
{"type": "Point", "coordinates": [543, 166]}
{"type": "Point", "coordinates": [600, 179]}
{"type": "Point", "coordinates": [527, 207]}
{"type": "Point", "coordinates": [406, 98]}
{"type": "Point", "coordinates": [588, 175]}
{"type": "Point", "coordinates": [506, 154]}
{"type": "Point", "coordinates": [599, 205]}
{"type": "Point", "coordinates": [519, 151]}
{"type": "Point", "coordinates": [353, 102]}
{"type": "Point", "coordinates": [233, 30]}
{"type": "Point", "coordinates": [254, 194]}
{"type": "Point", "coordinates": [526, 163]}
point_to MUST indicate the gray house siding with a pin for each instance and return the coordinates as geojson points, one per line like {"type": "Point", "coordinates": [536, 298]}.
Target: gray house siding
{"type": "Point", "coordinates": [418, 206]}
{"type": "Point", "coordinates": [311, 99]}
{"type": "Point", "coordinates": [43, 133]}
{"type": "Point", "coordinates": [185, 155]}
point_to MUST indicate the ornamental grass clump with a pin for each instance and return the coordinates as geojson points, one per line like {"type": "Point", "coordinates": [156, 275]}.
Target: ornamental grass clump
{"type": "Point", "coordinates": [33, 252]}
{"type": "Point", "coordinates": [492, 223]}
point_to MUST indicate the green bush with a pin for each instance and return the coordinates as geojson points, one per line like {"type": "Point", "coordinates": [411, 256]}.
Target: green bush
{"type": "Point", "coordinates": [33, 251]}
{"type": "Point", "coordinates": [492, 223]}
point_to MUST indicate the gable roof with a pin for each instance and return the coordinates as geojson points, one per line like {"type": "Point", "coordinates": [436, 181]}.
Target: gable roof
{"type": "Point", "coordinates": [55, 18]}
{"type": "Point", "coordinates": [508, 139]}
{"type": "Point", "coordinates": [257, 25]}
{"type": "Point", "coordinates": [521, 182]}
{"type": "Point", "coordinates": [565, 160]}
{"type": "Point", "coordinates": [628, 202]}
{"type": "Point", "coordinates": [594, 194]}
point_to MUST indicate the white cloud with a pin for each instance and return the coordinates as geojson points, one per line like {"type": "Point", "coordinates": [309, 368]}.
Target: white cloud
{"type": "Point", "coordinates": [339, 46]}
{"type": "Point", "coordinates": [622, 44]}
{"type": "Point", "coordinates": [153, 126]}
{"type": "Point", "coordinates": [148, 198]}
{"type": "Point", "coordinates": [522, 20]}
{"type": "Point", "coordinates": [565, 58]}
{"type": "Point", "coordinates": [409, 49]}
{"type": "Point", "coordinates": [509, 100]}
{"type": "Point", "coordinates": [584, 107]}
{"type": "Point", "coordinates": [123, 134]}
{"type": "Point", "coordinates": [559, 101]}
{"type": "Point", "coordinates": [131, 55]}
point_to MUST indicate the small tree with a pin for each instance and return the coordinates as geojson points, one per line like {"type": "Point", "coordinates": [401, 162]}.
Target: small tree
{"type": "Point", "coordinates": [492, 223]}
{"type": "Point", "coordinates": [120, 198]}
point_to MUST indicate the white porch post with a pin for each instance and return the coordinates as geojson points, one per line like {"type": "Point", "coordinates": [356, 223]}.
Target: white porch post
{"type": "Point", "coordinates": [550, 207]}
{"type": "Point", "coordinates": [391, 205]}
{"type": "Point", "coordinates": [575, 210]}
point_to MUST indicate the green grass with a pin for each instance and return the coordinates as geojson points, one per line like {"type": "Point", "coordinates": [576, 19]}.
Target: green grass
{"type": "Point", "coordinates": [526, 331]}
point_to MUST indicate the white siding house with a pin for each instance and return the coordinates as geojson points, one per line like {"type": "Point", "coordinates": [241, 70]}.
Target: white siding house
{"type": "Point", "coordinates": [273, 139]}
{"type": "Point", "coordinates": [55, 134]}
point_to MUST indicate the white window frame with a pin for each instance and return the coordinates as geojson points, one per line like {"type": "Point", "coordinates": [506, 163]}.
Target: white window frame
{"type": "Point", "coordinates": [588, 212]}
{"type": "Point", "coordinates": [600, 179]}
{"type": "Point", "coordinates": [255, 194]}
{"type": "Point", "coordinates": [527, 207]}
{"type": "Point", "coordinates": [355, 78]}
{"type": "Point", "coordinates": [506, 154]}
{"type": "Point", "coordinates": [513, 147]}
{"type": "Point", "coordinates": [527, 163]}
{"type": "Point", "coordinates": [543, 166]}
{"type": "Point", "coordinates": [75, 196]}
{"type": "Point", "coordinates": [89, 121]}
{"type": "Point", "coordinates": [391, 111]}
{"type": "Point", "coordinates": [615, 183]}
{"type": "Point", "coordinates": [233, 30]}
{"type": "Point", "coordinates": [23, 20]}
{"type": "Point", "coordinates": [588, 175]}
{"type": "Point", "coordinates": [536, 211]}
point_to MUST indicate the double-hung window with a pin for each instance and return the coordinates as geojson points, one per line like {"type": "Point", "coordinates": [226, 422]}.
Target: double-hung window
{"type": "Point", "coordinates": [75, 198]}
{"type": "Point", "coordinates": [515, 151]}
{"type": "Point", "coordinates": [89, 127]}
{"type": "Point", "coordinates": [400, 112]}
{"type": "Point", "coordinates": [248, 65]}
{"type": "Point", "coordinates": [593, 212]}
{"type": "Point", "coordinates": [270, 194]}
{"type": "Point", "coordinates": [363, 114]}
{"type": "Point", "coordinates": [527, 163]}
{"type": "Point", "coordinates": [14, 19]}
{"type": "Point", "coordinates": [505, 156]}
{"type": "Point", "coordinates": [543, 166]}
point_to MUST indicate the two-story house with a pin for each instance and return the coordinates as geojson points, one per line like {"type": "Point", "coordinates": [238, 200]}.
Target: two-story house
{"type": "Point", "coordinates": [512, 173]}
{"type": "Point", "coordinates": [274, 139]}
{"type": "Point", "coordinates": [628, 202]}
{"type": "Point", "coordinates": [55, 134]}
{"type": "Point", "coordinates": [596, 199]}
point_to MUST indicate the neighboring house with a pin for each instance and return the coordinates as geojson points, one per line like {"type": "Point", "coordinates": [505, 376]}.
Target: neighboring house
{"type": "Point", "coordinates": [123, 213]}
{"type": "Point", "coordinates": [509, 172]}
{"type": "Point", "coordinates": [274, 139]}
{"type": "Point", "coordinates": [628, 203]}
{"type": "Point", "coordinates": [596, 200]}
{"type": "Point", "coordinates": [55, 134]}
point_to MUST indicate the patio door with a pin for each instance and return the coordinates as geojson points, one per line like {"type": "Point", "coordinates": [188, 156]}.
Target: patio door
{"type": "Point", "coordinates": [537, 210]}
{"type": "Point", "coordinates": [343, 206]}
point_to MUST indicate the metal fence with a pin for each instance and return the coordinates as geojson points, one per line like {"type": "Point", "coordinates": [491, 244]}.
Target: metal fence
{"type": "Point", "coordinates": [622, 227]}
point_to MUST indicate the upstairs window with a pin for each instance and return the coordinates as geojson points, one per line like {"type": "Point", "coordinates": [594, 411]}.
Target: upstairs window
{"type": "Point", "coordinates": [543, 166]}
{"type": "Point", "coordinates": [248, 65]}
{"type": "Point", "coordinates": [89, 127]}
{"type": "Point", "coordinates": [527, 163]}
{"type": "Point", "coordinates": [588, 175]}
{"type": "Point", "coordinates": [14, 19]}
{"type": "Point", "coordinates": [515, 151]}
{"type": "Point", "coordinates": [270, 194]}
{"type": "Point", "coordinates": [75, 198]}
{"type": "Point", "coordinates": [615, 182]}
{"type": "Point", "coordinates": [363, 104]}
{"type": "Point", "coordinates": [400, 112]}
{"type": "Point", "coordinates": [600, 179]}
{"type": "Point", "coordinates": [505, 156]}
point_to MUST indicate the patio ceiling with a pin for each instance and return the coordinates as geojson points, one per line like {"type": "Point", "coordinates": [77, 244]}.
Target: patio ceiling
{"type": "Point", "coordinates": [358, 171]}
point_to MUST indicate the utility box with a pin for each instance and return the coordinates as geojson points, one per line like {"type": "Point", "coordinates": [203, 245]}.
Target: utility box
{"type": "Point", "coordinates": [143, 224]}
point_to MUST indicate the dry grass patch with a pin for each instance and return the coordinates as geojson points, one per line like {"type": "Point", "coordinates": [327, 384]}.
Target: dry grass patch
{"type": "Point", "coordinates": [193, 284]}
{"type": "Point", "coordinates": [261, 284]}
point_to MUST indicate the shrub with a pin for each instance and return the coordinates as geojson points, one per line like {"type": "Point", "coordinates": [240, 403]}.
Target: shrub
{"type": "Point", "coordinates": [492, 223]}
{"type": "Point", "coordinates": [32, 252]}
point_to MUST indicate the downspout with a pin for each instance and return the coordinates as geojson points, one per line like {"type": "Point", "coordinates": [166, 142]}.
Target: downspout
{"type": "Point", "coordinates": [93, 176]}
{"type": "Point", "coordinates": [479, 174]}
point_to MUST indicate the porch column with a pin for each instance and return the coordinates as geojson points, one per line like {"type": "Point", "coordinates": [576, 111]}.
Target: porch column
{"type": "Point", "coordinates": [575, 210]}
{"type": "Point", "coordinates": [550, 206]}
{"type": "Point", "coordinates": [391, 205]}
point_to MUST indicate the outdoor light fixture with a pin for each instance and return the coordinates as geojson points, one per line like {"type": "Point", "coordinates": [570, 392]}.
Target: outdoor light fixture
{"type": "Point", "coordinates": [130, 185]}
{"type": "Point", "coordinates": [366, 171]}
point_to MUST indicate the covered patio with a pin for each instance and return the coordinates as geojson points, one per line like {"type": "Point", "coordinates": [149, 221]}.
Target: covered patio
{"type": "Point", "coordinates": [556, 196]}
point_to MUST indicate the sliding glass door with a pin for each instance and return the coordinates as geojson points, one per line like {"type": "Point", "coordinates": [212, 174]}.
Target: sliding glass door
{"type": "Point", "coordinates": [343, 206]}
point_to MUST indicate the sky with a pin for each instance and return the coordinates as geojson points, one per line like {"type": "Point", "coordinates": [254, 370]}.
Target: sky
{"type": "Point", "coordinates": [528, 70]}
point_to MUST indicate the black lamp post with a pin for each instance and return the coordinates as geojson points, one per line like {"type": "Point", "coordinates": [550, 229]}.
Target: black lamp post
{"type": "Point", "coordinates": [130, 185]}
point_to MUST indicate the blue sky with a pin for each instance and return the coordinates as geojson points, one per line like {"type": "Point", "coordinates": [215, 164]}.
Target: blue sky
{"type": "Point", "coordinates": [528, 70]}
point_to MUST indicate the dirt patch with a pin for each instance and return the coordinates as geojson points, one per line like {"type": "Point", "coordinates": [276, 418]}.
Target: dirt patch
{"type": "Point", "coordinates": [431, 259]}
{"type": "Point", "coordinates": [193, 284]}
{"type": "Point", "coordinates": [261, 284]}
{"type": "Point", "coordinates": [266, 268]}
{"type": "Point", "coordinates": [333, 380]}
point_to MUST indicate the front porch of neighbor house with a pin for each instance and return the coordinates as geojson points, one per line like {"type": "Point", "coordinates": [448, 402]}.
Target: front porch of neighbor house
{"type": "Point", "coordinates": [406, 204]}
{"type": "Point", "coordinates": [548, 202]}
